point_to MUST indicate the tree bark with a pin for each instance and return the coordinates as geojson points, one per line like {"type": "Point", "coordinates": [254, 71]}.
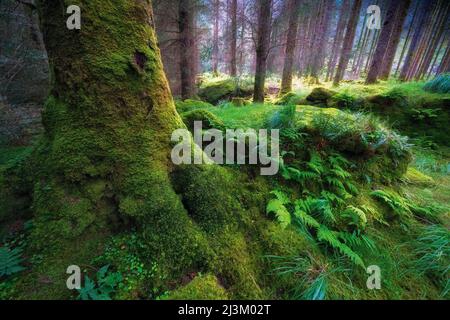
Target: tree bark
{"type": "Point", "coordinates": [103, 163]}
{"type": "Point", "coordinates": [408, 37]}
{"type": "Point", "coordinates": [348, 42]}
{"type": "Point", "coordinates": [339, 37]}
{"type": "Point", "coordinates": [400, 17]}
{"type": "Point", "coordinates": [233, 39]}
{"type": "Point", "coordinates": [215, 50]}
{"type": "Point", "coordinates": [415, 42]}
{"type": "Point", "coordinates": [383, 42]}
{"type": "Point", "coordinates": [186, 24]}
{"type": "Point", "coordinates": [291, 41]}
{"type": "Point", "coordinates": [262, 48]}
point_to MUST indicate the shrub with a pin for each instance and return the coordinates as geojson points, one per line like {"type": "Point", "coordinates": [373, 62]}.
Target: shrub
{"type": "Point", "coordinates": [440, 84]}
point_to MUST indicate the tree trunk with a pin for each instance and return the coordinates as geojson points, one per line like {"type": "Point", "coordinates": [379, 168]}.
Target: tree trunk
{"type": "Point", "coordinates": [400, 17]}
{"type": "Point", "coordinates": [262, 48]}
{"type": "Point", "coordinates": [348, 42]}
{"type": "Point", "coordinates": [186, 24]}
{"type": "Point", "coordinates": [380, 51]}
{"type": "Point", "coordinates": [436, 31]}
{"type": "Point", "coordinates": [103, 163]}
{"type": "Point", "coordinates": [408, 37]}
{"type": "Point", "coordinates": [291, 41]}
{"type": "Point", "coordinates": [337, 43]}
{"type": "Point", "coordinates": [233, 38]}
{"type": "Point", "coordinates": [415, 42]}
{"type": "Point", "coordinates": [215, 50]}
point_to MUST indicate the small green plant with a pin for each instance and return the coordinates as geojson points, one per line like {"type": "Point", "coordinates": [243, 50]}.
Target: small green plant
{"type": "Point", "coordinates": [440, 84]}
{"type": "Point", "coordinates": [313, 275]}
{"type": "Point", "coordinates": [105, 286]}
{"type": "Point", "coordinates": [10, 260]}
{"type": "Point", "coordinates": [433, 250]}
{"type": "Point", "coordinates": [424, 114]}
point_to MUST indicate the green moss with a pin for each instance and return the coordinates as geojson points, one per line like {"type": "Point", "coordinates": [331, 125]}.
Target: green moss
{"type": "Point", "coordinates": [320, 96]}
{"type": "Point", "coordinates": [223, 89]}
{"type": "Point", "coordinates": [290, 98]}
{"type": "Point", "coordinates": [208, 119]}
{"type": "Point", "coordinates": [203, 287]}
{"type": "Point", "coordinates": [190, 105]}
{"type": "Point", "coordinates": [415, 177]}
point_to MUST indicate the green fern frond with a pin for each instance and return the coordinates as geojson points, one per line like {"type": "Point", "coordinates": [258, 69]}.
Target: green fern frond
{"type": "Point", "coordinates": [10, 261]}
{"type": "Point", "coordinates": [357, 216]}
{"type": "Point", "coordinates": [281, 213]}
{"type": "Point", "coordinates": [330, 237]}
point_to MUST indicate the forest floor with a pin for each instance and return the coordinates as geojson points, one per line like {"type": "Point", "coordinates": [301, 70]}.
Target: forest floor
{"type": "Point", "coordinates": [416, 205]}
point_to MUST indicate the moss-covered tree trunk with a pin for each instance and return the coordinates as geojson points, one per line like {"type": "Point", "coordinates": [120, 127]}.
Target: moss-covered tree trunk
{"type": "Point", "coordinates": [103, 165]}
{"type": "Point", "coordinates": [104, 161]}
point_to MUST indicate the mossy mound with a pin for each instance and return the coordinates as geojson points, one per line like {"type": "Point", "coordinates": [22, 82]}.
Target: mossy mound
{"type": "Point", "coordinates": [203, 287]}
{"type": "Point", "coordinates": [415, 177]}
{"type": "Point", "coordinates": [191, 105]}
{"type": "Point", "coordinates": [380, 150]}
{"type": "Point", "coordinates": [240, 102]}
{"type": "Point", "coordinates": [320, 96]}
{"type": "Point", "coordinates": [290, 98]}
{"type": "Point", "coordinates": [214, 92]}
{"type": "Point", "coordinates": [208, 119]}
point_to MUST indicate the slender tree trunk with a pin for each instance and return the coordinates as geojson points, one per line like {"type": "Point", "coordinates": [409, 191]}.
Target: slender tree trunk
{"type": "Point", "coordinates": [383, 42]}
{"type": "Point", "coordinates": [436, 57]}
{"type": "Point", "coordinates": [233, 38]}
{"type": "Point", "coordinates": [291, 41]}
{"type": "Point", "coordinates": [422, 41]}
{"type": "Point", "coordinates": [215, 51]}
{"type": "Point", "coordinates": [415, 41]}
{"type": "Point", "coordinates": [186, 24]}
{"type": "Point", "coordinates": [408, 37]}
{"type": "Point", "coordinates": [444, 67]}
{"type": "Point", "coordinates": [400, 17]}
{"type": "Point", "coordinates": [338, 38]}
{"type": "Point", "coordinates": [436, 31]}
{"type": "Point", "coordinates": [348, 42]}
{"type": "Point", "coordinates": [373, 45]}
{"type": "Point", "coordinates": [262, 48]}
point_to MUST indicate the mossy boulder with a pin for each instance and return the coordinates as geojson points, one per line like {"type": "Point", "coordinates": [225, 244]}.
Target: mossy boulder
{"type": "Point", "coordinates": [290, 98]}
{"type": "Point", "coordinates": [240, 102]}
{"type": "Point", "coordinates": [320, 96]}
{"type": "Point", "coordinates": [208, 119]}
{"type": "Point", "coordinates": [190, 105]}
{"type": "Point", "coordinates": [203, 287]}
{"type": "Point", "coordinates": [214, 92]}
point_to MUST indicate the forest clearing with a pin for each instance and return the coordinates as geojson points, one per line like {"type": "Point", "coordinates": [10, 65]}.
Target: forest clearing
{"type": "Point", "coordinates": [224, 150]}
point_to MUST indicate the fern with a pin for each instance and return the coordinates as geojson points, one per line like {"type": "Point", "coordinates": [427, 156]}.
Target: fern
{"type": "Point", "coordinates": [397, 203]}
{"type": "Point", "coordinates": [357, 217]}
{"type": "Point", "coordinates": [357, 240]}
{"type": "Point", "coordinates": [330, 237]}
{"type": "Point", "coordinates": [277, 206]}
{"type": "Point", "coordinates": [10, 261]}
